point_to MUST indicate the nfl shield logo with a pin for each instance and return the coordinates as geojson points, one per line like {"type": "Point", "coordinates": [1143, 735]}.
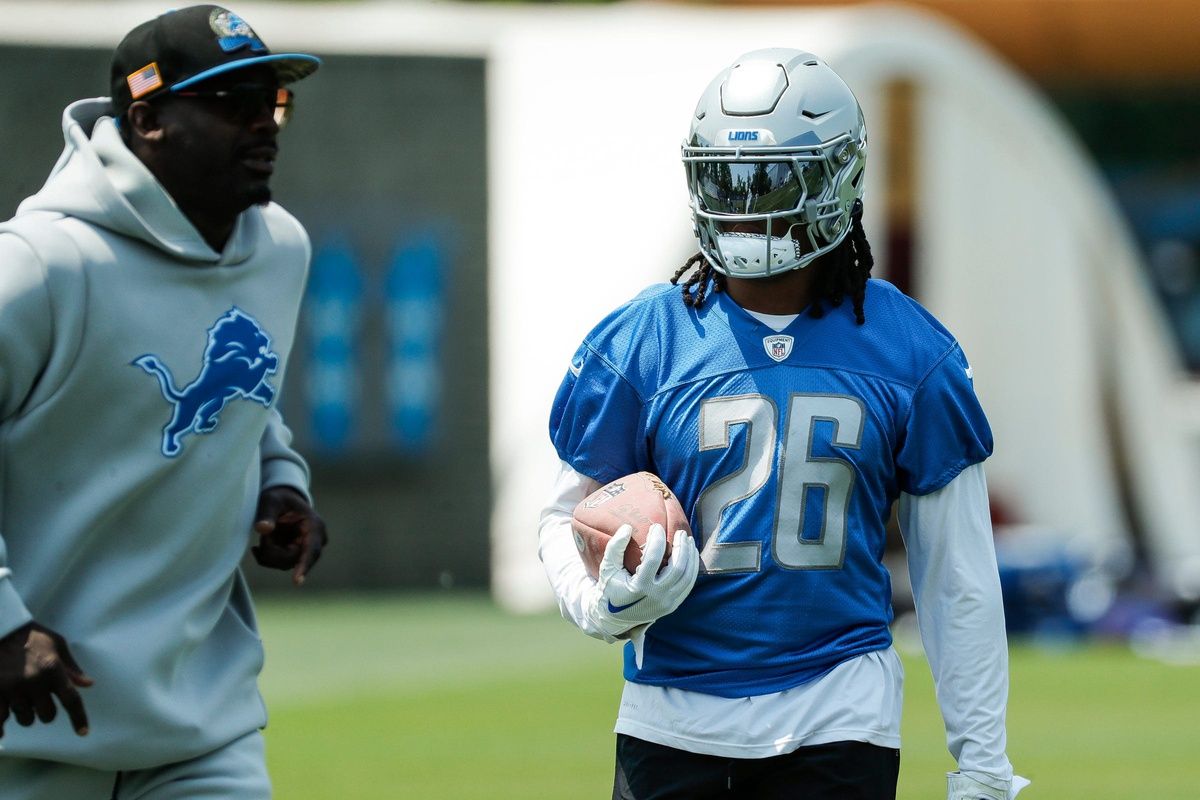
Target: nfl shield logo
{"type": "Point", "coordinates": [609, 492]}
{"type": "Point", "coordinates": [778, 347]}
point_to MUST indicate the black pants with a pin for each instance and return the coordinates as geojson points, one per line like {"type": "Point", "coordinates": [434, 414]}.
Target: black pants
{"type": "Point", "coordinates": [836, 771]}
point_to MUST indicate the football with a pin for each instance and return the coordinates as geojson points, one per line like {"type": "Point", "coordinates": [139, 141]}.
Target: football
{"type": "Point", "coordinates": [640, 500]}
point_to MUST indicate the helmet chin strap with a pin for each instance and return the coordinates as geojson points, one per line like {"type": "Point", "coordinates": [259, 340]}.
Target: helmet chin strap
{"type": "Point", "coordinates": [756, 255]}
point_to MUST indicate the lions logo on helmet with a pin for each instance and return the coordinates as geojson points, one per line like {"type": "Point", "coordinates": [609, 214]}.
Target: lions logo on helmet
{"type": "Point", "coordinates": [777, 139]}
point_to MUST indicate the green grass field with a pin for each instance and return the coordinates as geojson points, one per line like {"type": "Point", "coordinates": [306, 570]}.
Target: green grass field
{"type": "Point", "coordinates": [444, 696]}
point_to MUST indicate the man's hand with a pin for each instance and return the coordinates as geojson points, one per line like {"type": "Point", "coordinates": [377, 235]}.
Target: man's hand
{"type": "Point", "coordinates": [36, 666]}
{"type": "Point", "coordinates": [291, 534]}
{"type": "Point", "coordinates": [962, 787]}
{"type": "Point", "coordinates": [620, 601]}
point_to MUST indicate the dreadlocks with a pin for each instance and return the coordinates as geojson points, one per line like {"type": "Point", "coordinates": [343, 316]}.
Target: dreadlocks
{"type": "Point", "coordinates": [695, 288]}
{"type": "Point", "coordinates": [842, 273]}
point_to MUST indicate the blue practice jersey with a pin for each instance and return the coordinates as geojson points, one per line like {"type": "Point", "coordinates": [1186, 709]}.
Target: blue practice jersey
{"type": "Point", "coordinates": [787, 450]}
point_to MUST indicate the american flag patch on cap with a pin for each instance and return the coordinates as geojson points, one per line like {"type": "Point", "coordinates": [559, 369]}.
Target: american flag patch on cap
{"type": "Point", "coordinates": [144, 81]}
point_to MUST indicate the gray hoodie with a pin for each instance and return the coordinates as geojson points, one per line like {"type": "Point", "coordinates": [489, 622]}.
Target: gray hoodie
{"type": "Point", "coordinates": [139, 377]}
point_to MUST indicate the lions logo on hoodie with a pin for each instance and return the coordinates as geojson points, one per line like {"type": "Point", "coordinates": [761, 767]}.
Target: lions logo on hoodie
{"type": "Point", "coordinates": [237, 363]}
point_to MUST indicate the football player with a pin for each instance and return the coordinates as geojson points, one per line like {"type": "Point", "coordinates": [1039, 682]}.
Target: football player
{"type": "Point", "coordinates": [789, 400]}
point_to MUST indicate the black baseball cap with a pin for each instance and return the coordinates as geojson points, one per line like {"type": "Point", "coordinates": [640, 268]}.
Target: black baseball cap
{"type": "Point", "coordinates": [183, 47]}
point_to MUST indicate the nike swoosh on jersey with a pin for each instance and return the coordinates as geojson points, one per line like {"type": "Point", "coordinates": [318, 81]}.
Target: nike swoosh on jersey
{"type": "Point", "coordinates": [577, 368]}
{"type": "Point", "coordinates": [618, 609]}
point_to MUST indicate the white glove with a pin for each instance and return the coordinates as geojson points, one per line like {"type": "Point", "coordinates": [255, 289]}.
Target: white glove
{"type": "Point", "coordinates": [619, 601]}
{"type": "Point", "coordinates": [961, 787]}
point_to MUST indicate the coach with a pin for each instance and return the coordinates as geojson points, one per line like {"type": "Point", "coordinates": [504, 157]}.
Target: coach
{"type": "Point", "coordinates": [148, 302]}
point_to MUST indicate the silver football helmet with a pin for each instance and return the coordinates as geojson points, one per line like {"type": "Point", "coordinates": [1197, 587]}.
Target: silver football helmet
{"type": "Point", "coordinates": [778, 139]}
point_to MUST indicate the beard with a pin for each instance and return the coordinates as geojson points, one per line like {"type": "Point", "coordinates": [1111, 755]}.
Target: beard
{"type": "Point", "coordinates": [259, 196]}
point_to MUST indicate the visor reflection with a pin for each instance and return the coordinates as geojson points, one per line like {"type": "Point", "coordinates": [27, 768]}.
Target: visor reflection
{"type": "Point", "coordinates": [726, 187]}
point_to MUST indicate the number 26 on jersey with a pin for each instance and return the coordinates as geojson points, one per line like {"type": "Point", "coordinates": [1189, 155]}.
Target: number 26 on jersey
{"type": "Point", "coordinates": [800, 472]}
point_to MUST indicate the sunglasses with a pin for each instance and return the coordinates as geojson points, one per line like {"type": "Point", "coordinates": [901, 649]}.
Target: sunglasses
{"type": "Point", "coordinates": [248, 102]}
